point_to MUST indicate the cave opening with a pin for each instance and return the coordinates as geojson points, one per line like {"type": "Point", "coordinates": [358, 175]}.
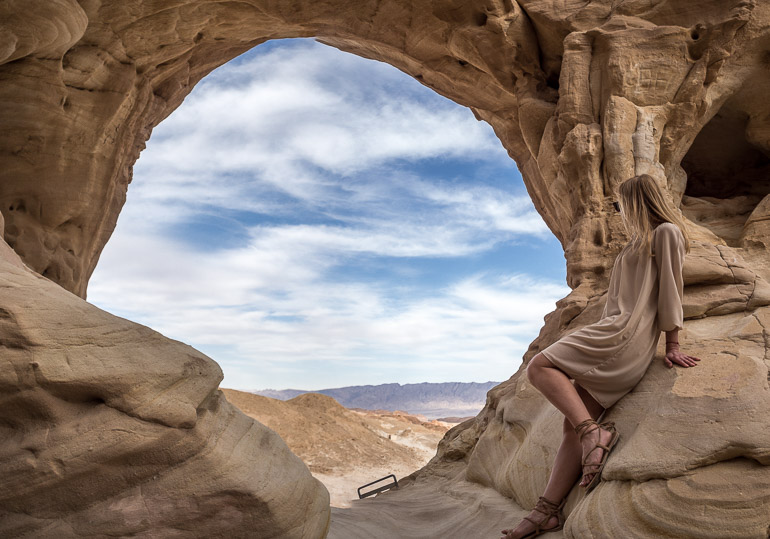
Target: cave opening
{"type": "Point", "coordinates": [728, 171]}
{"type": "Point", "coordinates": [313, 220]}
{"type": "Point", "coordinates": [339, 218]}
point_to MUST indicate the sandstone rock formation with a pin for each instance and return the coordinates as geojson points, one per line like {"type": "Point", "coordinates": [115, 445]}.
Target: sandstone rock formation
{"type": "Point", "coordinates": [436, 504]}
{"type": "Point", "coordinates": [107, 427]}
{"type": "Point", "coordinates": [582, 94]}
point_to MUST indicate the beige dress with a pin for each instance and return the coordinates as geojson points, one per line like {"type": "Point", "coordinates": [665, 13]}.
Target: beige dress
{"type": "Point", "coordinates": [609, 357]}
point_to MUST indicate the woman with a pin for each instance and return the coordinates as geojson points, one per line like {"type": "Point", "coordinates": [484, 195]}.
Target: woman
{"type": "Point", "coordinates": [607, 359]}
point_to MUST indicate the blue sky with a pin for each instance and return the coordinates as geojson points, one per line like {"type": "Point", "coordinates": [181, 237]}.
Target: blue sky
{"type": "Point", "coordinates": [311, 219]}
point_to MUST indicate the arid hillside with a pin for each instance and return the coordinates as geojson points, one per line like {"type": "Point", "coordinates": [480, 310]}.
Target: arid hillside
{"type": "Point", "coordinates": [432, 400]}
{"type": "Point", "coordinates": [345, 448]}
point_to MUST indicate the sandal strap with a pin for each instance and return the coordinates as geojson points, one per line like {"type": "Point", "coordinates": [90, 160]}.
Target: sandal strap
{"type": "Point", "coordinates": [584, 426]}
{"type": "Point", "coordinates": [549, 506]}
{"type": "Point", "coordinates": [538, 524]}
{"type": "Point", "coordinates": [606, 426]}
{"type": "Point", "coordinates": [548, 509]}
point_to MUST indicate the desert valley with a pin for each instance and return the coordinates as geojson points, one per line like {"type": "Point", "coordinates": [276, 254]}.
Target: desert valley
{"type": "Point", "coordinates": [343, 448]}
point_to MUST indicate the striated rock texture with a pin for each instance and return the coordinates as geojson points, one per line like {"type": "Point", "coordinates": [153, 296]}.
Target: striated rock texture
{"type": "Point", "coordinates": [582, 94]}
{"type": "Point", "coordinates": [108, 428]}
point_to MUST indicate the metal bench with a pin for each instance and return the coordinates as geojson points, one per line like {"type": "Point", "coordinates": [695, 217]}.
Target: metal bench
{"type": "Point", "coordinates": [377, 490]}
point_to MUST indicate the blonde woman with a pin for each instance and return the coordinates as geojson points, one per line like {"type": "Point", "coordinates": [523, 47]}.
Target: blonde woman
{"type": "Point", "coordinates": [607, 359]}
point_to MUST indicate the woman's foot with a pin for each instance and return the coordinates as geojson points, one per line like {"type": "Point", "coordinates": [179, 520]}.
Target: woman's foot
{"type": "Point", "coordinates": [542, 516]}
{"type": "Point", "coordinates": [525, 526]}
{"type": "Point", "coordinates": [592, 454]}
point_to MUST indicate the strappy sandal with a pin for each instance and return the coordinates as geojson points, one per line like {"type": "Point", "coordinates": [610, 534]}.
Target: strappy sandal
{"type": "Point", "coordinates": [549, 509]}
{"type": "Point", "coordinates": [584, 426]}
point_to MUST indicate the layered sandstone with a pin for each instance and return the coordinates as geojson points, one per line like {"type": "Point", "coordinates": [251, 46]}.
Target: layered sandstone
{"type": "Point", "coordinates": [109, 428]}
{"type": "Point", "coordinates": [582, 94]}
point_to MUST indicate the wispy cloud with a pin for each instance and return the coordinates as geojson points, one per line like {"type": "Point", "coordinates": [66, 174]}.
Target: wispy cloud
{"type": "Point", "coordinates": [319, 166]}
{"type": "Point", "coordinates": [256, 309]}
{"type": "Point", "coordinates": [295, 123]}
{"type": "Point", "coordinates": [304, 103]}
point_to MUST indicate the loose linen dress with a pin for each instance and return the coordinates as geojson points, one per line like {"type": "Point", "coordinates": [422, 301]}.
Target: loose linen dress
{"type": "Point", "coordinates": [609, 357]}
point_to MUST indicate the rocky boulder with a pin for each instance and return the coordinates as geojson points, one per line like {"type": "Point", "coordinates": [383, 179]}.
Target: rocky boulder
{"type": "Point", "coordinates": [109, 428]}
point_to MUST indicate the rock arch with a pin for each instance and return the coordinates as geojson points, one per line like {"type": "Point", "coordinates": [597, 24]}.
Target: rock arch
{"type": "Point", "coordinates": [581, 94]}
{"type": "Point", "coordinates": [112, 80]}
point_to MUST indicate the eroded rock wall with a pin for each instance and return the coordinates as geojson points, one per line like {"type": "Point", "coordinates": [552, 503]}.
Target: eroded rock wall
{"type": "Point", "coordinates": [673, 92]}
{"type": "Point", "coordinates": [82, 88]}
{"type": "Point", "coordinates": [582, 95]}
{"type": "Point", "coordinates": [109, 428]}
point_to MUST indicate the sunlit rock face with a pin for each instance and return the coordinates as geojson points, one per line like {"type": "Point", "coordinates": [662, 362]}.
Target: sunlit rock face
{"type": "Point", "coordinates": [675, 91]}
{"type": "Point", "coordinates": [582, 94]}
{"type": "Point", "coordinates": [107, 428]}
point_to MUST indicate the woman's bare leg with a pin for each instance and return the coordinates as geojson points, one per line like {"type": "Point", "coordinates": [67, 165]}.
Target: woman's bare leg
{"type": "Point", "coordinates": [557, 388]}
{"type": "Point", "coordinates": [566, 467]}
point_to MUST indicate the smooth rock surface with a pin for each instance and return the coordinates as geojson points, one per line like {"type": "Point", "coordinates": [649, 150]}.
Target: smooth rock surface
{"type": "Point", "coordinates": [109, 428]}
{"type": "Point", "coordinates": [440, 503]}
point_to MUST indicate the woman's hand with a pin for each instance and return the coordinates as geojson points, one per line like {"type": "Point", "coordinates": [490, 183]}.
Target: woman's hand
{"type": "Point", "coordinates": [674, 355]}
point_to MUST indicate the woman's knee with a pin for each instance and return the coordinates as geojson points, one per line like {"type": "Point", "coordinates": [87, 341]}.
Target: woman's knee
{"type": "Point", "coordinates": [533, 368]}
{"type": "Point", "coordinates": [537, 365]}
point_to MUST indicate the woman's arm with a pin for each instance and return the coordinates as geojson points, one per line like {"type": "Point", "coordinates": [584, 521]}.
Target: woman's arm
{"type": "Point", "coordinates": [673, 355]}
{"type": "Point", "coordinates": [669, 256]}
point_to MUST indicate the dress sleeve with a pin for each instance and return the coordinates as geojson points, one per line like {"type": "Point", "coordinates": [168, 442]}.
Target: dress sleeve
{"type": "Point", "coordinates": [669, 257]}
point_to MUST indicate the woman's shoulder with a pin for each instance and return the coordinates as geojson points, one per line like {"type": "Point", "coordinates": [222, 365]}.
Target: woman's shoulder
{"type": "Point", "coordinates": [667, 229]}
{"type": "Point", "coordinates": [667, 234]}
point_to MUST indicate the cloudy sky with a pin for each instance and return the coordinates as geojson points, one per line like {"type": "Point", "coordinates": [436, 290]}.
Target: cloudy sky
{"type": "Point", "coordinates": [311, 219]}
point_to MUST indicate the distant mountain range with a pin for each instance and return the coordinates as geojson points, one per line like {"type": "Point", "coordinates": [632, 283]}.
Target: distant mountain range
{"type": "Point", "coordinates": [434, 401]}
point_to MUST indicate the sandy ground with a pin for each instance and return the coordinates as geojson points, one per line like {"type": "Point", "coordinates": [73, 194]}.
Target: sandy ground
{"type": "Point", "coordinates": [414, 432]}
{"type": "Point", "coordinates": [344, 490]}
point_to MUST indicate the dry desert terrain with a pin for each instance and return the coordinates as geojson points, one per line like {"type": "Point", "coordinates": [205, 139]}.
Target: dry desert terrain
{"type": "Point", "coordinates": [343, 448]}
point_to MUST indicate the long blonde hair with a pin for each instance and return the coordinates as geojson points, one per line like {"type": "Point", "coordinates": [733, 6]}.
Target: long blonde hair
{"type": "Point", "coordinates": [643, 207]}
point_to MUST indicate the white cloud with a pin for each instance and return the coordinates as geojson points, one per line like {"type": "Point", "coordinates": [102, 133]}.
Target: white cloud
{"type": "Point", "coordinates": [290, 129]}
{"type": "Point", "coordinates": [322, 168]}
{"type": "Point", "coordinates": [273, 302]}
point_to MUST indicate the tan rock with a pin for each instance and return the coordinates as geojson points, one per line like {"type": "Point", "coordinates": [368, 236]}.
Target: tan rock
{"type": "Point", "coordinates": [109, 428]}
{"type": "Point", "coordinates": [438, 503]}
{"type": "Point", "coordinates": [45, 28]}
{"type": "Point", "coordinates": [581, 94]}
{"type": "Point", "coordinates": [727, 499]}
